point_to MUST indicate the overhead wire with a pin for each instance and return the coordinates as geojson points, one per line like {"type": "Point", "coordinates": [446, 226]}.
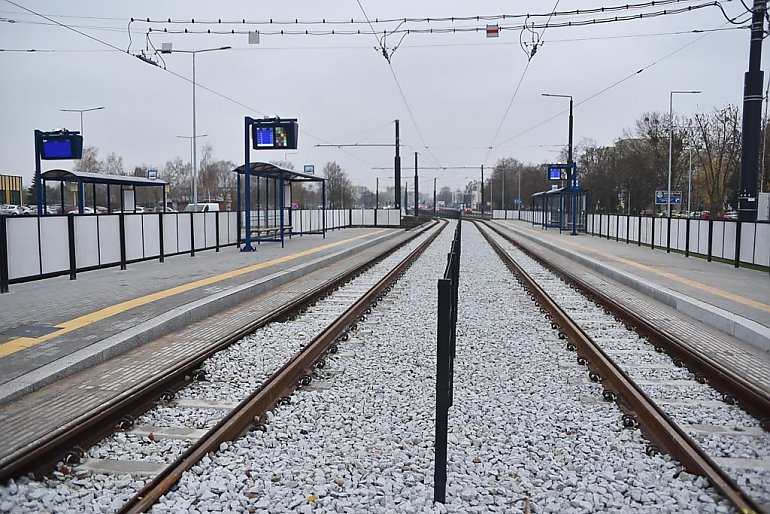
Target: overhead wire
{"type": "Point", "coordinates": [611, 86]}
{"type": "Point", "coordinates": [217, 93]}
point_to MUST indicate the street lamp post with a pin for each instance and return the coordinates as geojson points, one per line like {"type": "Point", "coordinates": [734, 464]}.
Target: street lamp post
{"type": "Point", "coordinates": [81, 111]}
{"type": "Point", "coordinates": [570, 165]}
{"type": "Point", "coordinates": [671, 140]}
{"type": "Point", "coordinates": [194, 127]}
{"type": "Point", "coordinates": [192, 154]}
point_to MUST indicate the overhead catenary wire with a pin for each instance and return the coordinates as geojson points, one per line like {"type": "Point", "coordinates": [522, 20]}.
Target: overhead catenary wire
{"type": "Point", "coordinates": [446, 30]}
{"type": "Point", "coordinates": [413, 46]}
{"type": "Point", "coordinates": [217, 93]}
{"type": "Point", "coordinates": [611, 86]}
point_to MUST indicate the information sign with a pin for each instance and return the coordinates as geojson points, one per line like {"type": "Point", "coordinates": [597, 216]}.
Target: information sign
{"type": "Point", "coordinates": [661, 197]}
{"type": "Point", "coordinates": [558, 171]}
{"type": "Point", "coordinates": [309, 169]}
{"type": "Point", "coordinates": [274, 134]}
{"type": "Point", "coordinates": [61, 145]}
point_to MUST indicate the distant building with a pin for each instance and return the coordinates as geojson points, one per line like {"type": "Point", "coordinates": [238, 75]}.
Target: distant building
{"type": "Point", "coordinates": [11, 190]}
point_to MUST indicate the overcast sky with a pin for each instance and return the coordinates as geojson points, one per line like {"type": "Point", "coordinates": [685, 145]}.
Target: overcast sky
{"type": "Point", "coordinates": [457, 85]}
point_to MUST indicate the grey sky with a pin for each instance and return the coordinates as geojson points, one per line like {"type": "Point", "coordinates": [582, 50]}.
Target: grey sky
{"type": "Point", "coordinates": [341, 89]}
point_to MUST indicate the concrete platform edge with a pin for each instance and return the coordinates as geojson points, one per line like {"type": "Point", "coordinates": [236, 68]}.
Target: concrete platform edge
{"type": "Point", "coordinates": [173, 319]}
{"type": "Point", "coordinates": [733, 324]}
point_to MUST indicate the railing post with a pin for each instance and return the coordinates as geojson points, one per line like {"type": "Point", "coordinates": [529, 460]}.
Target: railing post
{"type": "Point", "coordinates": [122, 230]}
{"type": "Point", "coordinates": [737, 263]}
{"type": "Point", "coordinates": [711, 239]}
{"type": "Point", "coordinates": [668, 237]}
{"type": "Point", "coordinates": [71, 241]}
{"type": "Point", "coordinates": [216, 229]}
{"type": "Point", "coordinates": [639, 234]}
{"type": "Point", "coordinates": [687, 237]}
{"type": "Point", "coordinates": [192, 234]}
{"type": "Point", "coordinates": [628, 228]}
{"type": "Point", "coordinates": [442, 388]}
{"type": "Point", "coordinates": [652, 238]}
{"type": "Point", "coordinates": [3, 256]}
{"type": "Point", "coordinates": [162, 257]}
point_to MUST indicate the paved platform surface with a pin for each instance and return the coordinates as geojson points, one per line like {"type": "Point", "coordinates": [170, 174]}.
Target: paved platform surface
{"type": "Point", "coordinates": [734, 301]}
{"type": "Point", "coordinates": [53, 327]}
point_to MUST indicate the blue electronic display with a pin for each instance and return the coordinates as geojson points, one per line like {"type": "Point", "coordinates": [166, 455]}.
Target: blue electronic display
{"type": "Point", "coordinates": [265, 137]}
{"type": "Point", "coordinates": [554, 173]}
{"type": "Point", "coordinates": [276, 134]}
{"type": "Point", "coordinates": [57, 149]}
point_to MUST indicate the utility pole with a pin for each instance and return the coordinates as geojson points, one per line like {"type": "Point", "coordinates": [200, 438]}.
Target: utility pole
{"type": "Point", "coordinates": [482, 190]}
{"type": "Point", "coordinates": [397, 166]}
{"type": "Point", "coordinates": [377, 194]}
{"type": "Point", "coordinates": [434, 197]}
{"type": "Point", "coordinates": [416, 188]}
{"type": "Point", "coordinates": [406, 195]}
{"type": "Point", "coordinates": [502, 195]}
{"type": "Point", "coordinates": [752, 115]}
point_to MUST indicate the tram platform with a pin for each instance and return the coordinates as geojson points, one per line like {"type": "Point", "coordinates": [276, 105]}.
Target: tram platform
{"type": "Point", "coordinates": [53, 328]}
{"type": "Point", "coordinates": [734, 301]}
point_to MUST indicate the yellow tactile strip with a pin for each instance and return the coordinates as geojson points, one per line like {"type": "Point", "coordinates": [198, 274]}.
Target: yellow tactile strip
{"type": "Point", "coordinates": [20, 343]}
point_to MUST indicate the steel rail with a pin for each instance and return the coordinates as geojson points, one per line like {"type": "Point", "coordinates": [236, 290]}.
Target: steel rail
{"type": "Point", "coordinates": [736, 388]}
{"type": "Point", "coordinates": [281, 384]}
{"type": "Point", "coordinates": [649, 415]}
{"type": "Point", "coordinates": [71, 439]}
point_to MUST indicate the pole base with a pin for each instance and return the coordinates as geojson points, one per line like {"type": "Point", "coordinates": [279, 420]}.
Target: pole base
{"type": "Point", "coordinates": [248, 248]}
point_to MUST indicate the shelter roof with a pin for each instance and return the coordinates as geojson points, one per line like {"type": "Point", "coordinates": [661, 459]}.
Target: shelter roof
{"type": "Point", "coordinates": [265, 169]}
{"type": "Point", "coordinates": [99, 178]}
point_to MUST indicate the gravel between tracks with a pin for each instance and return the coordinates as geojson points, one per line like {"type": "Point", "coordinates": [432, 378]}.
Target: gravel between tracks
{"type": "Point", "coordinates": [521, 425]}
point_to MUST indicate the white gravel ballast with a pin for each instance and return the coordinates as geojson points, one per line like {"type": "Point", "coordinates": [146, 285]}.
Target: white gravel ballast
{"type": "Point", "coordinates": [525, 432]}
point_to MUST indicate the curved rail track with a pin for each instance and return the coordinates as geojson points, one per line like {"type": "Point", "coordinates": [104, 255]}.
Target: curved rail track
{"type": "Point", "coordinates": [618, 386]}
{"type": "Point", "coordinates": [69, 443]}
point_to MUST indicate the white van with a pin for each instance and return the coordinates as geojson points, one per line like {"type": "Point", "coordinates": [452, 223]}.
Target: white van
{"type": "Point", "coordinates": [202, 207]}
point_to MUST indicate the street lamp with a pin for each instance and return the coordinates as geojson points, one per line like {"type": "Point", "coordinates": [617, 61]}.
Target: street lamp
{"type": "Point", "coordinates": [194, 136]}
{"type": "Point", "coordinates": [671, 139]}
{"type": "Point", "coordinates": [570, 166]}
{"type": "Point", "coordinates": [81, 111]}
{"type": "Point", "coordinates": [192, 150]}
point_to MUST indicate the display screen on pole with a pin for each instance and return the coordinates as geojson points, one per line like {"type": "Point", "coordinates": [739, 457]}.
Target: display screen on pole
{"type": "Point", "coordinates": [275, 134]}
{"type": "Point", "coordinates": [557, 172]}
{"type": "Point", "coordinates": [65, 146]}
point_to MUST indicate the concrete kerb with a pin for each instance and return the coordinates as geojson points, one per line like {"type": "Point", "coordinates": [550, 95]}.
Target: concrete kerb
{"type": "Point", "coordinates": [174, 319]}
{"type": "Point", "coordinates": [730, 323]}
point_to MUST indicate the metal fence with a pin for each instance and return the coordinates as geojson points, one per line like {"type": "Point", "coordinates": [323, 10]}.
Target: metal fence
{"type": "Point", "coordinates": [33, 248]}
{"type": "Point", "coordinates": [445, 355]}
{"type": "Point", "coordinates": [712, 239]}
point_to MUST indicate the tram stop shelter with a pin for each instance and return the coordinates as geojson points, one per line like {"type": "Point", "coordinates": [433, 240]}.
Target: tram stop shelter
{"type": "Point", "coordinates": [553, 208]}
{"type": "Point", "coordinates": [83, 184]}
{"type": "Point", "coordinates": [270, 217]}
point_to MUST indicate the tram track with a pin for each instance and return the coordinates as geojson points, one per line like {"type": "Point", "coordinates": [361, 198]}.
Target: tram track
{"type": "Point", "coordinates": [69, 445]}
{"type": "Point", "coordinates": [617, 381]}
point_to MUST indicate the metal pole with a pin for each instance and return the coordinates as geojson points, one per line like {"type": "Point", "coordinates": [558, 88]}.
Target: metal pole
{"type": "Point", "coordinates": [81, 123]}
{"type": "Point", "coordinates": [194, 141]}
{"type": "Point", "coordinates": [502, 197]}
{"type": "Point", "coordinates": [752, 113]}
{"type": "Point", "coordinates": [38, 182]}
{"type": "Point", "coordinates": [247, 191]}
{"type": "Point", "coordinates": [573, 172]}
{"type": "Point", "coordinates": [520, 194]}
{"type": "Point", "coordinates": [416, 188]}
{"type": "Point", "coordinates": [689, 184]}
{"type": "Point", "coordinates": [397, 166]}
{"type": "Point", "coordinates": [482, 190]}
{"type": "Point", "coordinates": [670, 147]}
{"type": "Point", "coordinates": [377, 195]}
{"type": "Point", "coordinates": [434, 196]}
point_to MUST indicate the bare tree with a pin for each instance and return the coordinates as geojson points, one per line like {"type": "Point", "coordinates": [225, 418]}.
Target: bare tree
{"type": "Point", "coordinates": [89, 162]}
{"type": "Point", "coordinates": [718, 135]}
{"type": "Point", "coordinates": [113, 164]}
{"type": "Point", "coordinates": [339, 189]}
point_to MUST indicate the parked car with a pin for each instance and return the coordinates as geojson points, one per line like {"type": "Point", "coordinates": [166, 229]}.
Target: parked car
{"type": "Point", "coordinates": [11, 210]}
{"type": "Point", "coordinates": [731, 215]}
{"type": "Point", "coordinates": [202, 207]}
{"type": "Point", "coordinates": [137, 210]}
